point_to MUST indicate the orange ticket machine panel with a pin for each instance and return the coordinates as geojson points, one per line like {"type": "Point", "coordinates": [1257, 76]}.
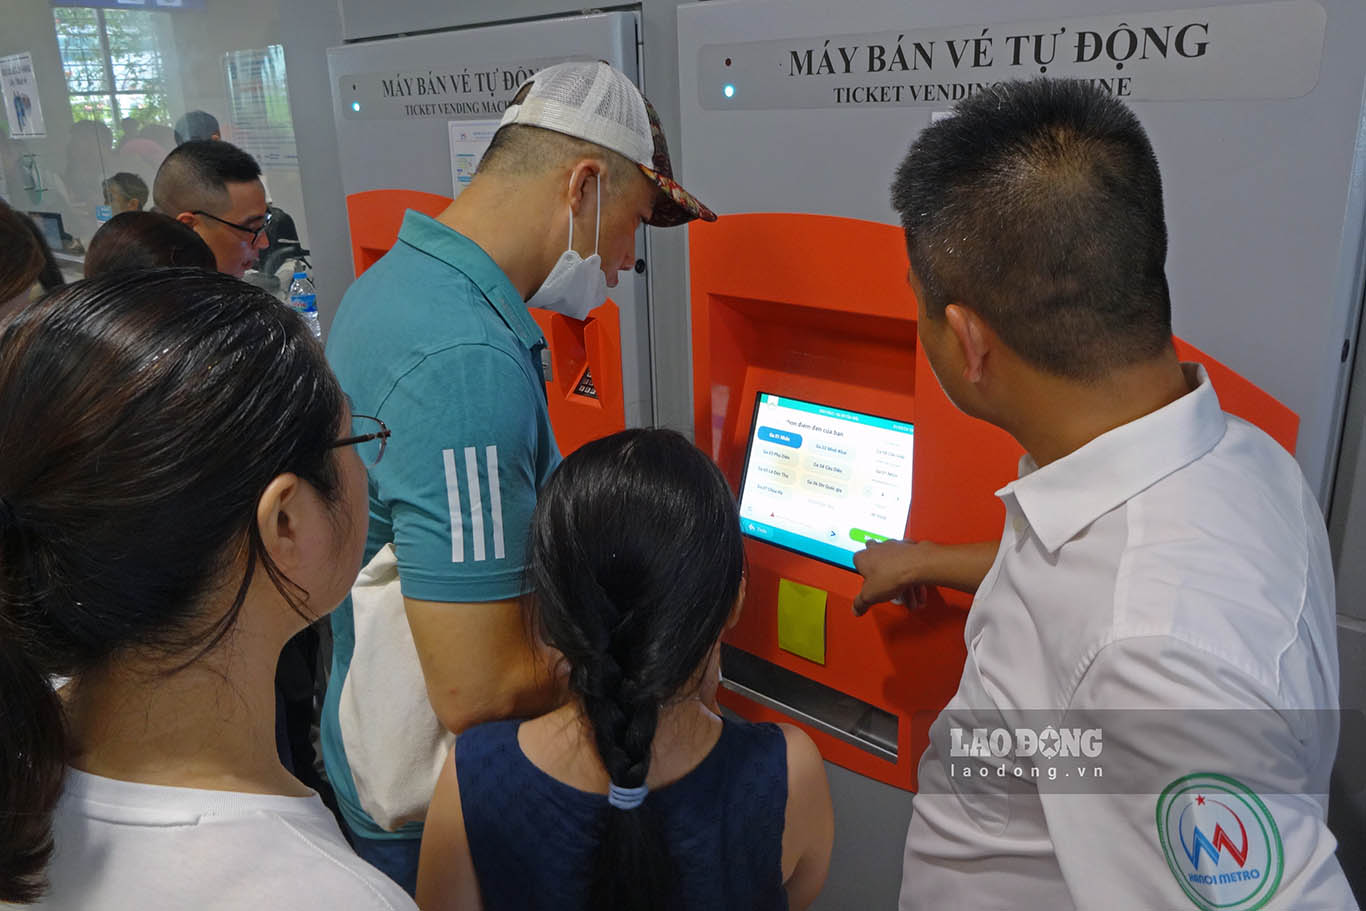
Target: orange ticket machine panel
{"type": "Point", "coordinates": [584, 386]}
{"type": "Point", "coordinates": [810, 395]}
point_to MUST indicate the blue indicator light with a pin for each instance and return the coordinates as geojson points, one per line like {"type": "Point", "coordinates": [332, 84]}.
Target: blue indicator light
{"type": "Point", "coordinates": [729, 91]}
{"type": "Point", "coordinates": [355, 106]}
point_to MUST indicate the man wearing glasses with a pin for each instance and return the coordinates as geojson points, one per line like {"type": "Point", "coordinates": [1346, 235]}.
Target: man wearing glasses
{"type": "Point", "coordinates": [215, 188]}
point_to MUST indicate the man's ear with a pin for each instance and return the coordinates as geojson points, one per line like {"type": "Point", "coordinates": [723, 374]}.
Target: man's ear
{"type": "Point", "coordinates": [188, 219]}
{"type": "Point", "coordinates": [585, 173]}
{"type": "Point", "coordinates": [277, 520]}
{"type": "Point", "coordinates": [974, 339]}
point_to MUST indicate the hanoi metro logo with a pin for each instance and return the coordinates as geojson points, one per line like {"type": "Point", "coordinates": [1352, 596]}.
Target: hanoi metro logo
{"type": "Point", "coordinates": [1220, 841]}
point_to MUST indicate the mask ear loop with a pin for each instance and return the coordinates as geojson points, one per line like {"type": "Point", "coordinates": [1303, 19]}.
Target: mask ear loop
{"type": "Point", "coordinates": [571, 214]}
{"type": "Point", "coordinates": [597, 220]}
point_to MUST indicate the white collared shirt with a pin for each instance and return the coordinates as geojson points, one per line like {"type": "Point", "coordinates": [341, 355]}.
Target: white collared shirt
{"type": "Point", "coordinates": [1163, 599]}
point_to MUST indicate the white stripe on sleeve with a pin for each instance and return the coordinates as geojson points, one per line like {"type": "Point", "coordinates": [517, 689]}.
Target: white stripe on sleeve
{"type": "Point", "coordinates": [495, 501]}
{"type": "Point", "coordinates": [476, 502]}
{"type": "Point", "coordinates": [453, 503]}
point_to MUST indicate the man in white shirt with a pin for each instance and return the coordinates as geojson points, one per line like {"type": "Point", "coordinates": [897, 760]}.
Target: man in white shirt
{"type": "Point", "coordinates": [1146, 717]}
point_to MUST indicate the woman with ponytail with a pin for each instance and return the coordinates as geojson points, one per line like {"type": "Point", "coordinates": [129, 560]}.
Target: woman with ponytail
{"type": "Point", "coordinates": [182, 488]}
{"type": "Point", "coordinates": [635, 794]}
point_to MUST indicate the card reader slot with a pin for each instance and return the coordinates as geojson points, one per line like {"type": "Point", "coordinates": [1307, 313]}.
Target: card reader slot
{"type": "Point", "coordinates": [838, 714]}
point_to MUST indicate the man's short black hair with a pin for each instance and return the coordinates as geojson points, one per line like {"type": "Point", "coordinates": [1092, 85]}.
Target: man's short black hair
{"type": "Point", "coordinates": [1038, 205]}
{"type": "Point", "coordinates": [196, 125]}
{"type": "Point", "coordinates": [196, 176]}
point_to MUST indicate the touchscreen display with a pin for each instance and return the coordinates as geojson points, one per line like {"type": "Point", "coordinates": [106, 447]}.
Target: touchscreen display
{"type": "Point", "coordinates": [824, 481]}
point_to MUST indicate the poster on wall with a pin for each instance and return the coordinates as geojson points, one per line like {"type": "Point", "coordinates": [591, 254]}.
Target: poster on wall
{"type": "Point", "coordinates": [469, 140]}
{"type": "Point", "coordinates": [258, 95]}
{"type": "Point", "coordinates": [20, 90]}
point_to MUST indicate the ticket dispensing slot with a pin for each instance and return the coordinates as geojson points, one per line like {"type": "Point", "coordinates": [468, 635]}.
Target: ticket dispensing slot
{"type": "Point", "coordinates": [840, 715]}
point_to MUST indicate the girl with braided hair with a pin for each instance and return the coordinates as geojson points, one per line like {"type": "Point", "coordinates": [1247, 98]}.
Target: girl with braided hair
{"type": "Point", "coordinates": [635, 794]}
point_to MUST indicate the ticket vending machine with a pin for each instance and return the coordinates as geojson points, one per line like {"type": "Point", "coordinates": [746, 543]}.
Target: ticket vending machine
{"type": "Point", "coordinates": [413, 115]}
{"type": "Point", "coordinates": [806, 377]}
{"type": "Point", "coordinates": [812, 398]}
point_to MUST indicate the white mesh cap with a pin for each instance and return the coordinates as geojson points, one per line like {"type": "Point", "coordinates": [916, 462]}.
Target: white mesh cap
{"type": "Point", "coordinates": [593, 101]}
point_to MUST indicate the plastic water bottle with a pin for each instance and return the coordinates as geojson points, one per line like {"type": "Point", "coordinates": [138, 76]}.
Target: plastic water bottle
{"type": "Point", "coordinates": [304, 298]}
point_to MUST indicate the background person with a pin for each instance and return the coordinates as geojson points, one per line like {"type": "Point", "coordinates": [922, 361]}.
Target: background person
{"type": "Point", "coordinates": [126, 192]}
{"type": "Point", "coordinates": [145, 240]}
{"type": "Point", "coordinates": [165, 525]}
{"type": "Point", "coordinates": [21, 260]}
{"type": "Point", "coordinates": [197, 125]}
{"type": "Point", "coordinates": [89, 159]}
{"type": "Point", "coordinates": [634, 794]}
{"type": "Point", "coordinates": [436, 340]}
{"type": "Point", "coordinates": [142, 153]}
{"type": "Point", "coordinates": [215, 188]}
{"type": "Point", "coordinates": [129, 128]}
{"type": "Point", "coordinates": [51, 276]}
{"type": "Point", "coordinates": [1164, 576]}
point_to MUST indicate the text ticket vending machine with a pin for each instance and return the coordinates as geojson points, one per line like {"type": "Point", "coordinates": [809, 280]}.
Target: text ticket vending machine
{"type": "Point", "coordinates": [808, 389]}
{"type": "Point", "coordinates": [415, 114]}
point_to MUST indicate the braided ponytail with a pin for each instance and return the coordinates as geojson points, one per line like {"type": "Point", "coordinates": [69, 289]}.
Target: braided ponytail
{"type": "Point", "coordinates": [632, 867]}
{"type": "Point", "coordinates": [635, 611]}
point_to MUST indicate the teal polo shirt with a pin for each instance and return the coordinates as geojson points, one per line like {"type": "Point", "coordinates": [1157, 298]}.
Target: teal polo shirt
{"type": "Point", "coordinates": [435, 341]}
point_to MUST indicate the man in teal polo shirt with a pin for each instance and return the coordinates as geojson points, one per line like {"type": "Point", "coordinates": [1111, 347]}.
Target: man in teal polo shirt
{"type": "Point", "coordinates": [435, 340]}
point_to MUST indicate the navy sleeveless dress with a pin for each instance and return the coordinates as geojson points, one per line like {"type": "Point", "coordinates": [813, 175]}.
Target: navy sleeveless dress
{"type": "Point", "coordinates": [531, 837]}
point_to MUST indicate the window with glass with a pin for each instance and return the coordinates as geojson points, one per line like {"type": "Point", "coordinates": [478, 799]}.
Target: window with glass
{"type": "Point", "coordinates": [113, 64]}
{"type": "Point", "coordinates": [120, 79]}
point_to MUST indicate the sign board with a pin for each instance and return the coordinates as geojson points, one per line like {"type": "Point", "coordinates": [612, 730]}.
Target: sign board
{"type": "Point", "coordinates": [258, 91]}
{"type": "Point", "coordinates": [449, 94]}
{"type": "Point", "coordinates": [1260, 50]}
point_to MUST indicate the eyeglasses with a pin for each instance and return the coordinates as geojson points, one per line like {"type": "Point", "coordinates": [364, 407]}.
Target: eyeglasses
{"type": "Point", "coordinates": [369, 435]}
{"type": "Point", "coordinates": [254, 232]}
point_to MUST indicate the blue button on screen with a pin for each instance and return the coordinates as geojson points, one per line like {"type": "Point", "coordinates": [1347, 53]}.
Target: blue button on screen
{"type": "Point", "coordinates": [784, 437]}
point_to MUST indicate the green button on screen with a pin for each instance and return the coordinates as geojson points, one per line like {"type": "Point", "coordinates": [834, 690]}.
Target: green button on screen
{"type": "Point", "coordinates": [863, 537]}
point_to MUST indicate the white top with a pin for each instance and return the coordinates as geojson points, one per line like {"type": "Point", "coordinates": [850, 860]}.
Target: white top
{"type": "Point", "coordinates": [125, 845]}
{"type": "Point", "coordinates": [1163, 597]}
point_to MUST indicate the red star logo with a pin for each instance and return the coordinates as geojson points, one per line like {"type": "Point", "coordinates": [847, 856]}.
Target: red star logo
{"type": "Point", "coordinates": [1200, 800]}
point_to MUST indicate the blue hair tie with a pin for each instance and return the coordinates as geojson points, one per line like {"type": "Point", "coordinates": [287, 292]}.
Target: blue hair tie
{"type": "Point", "coordinates": [626, 798]}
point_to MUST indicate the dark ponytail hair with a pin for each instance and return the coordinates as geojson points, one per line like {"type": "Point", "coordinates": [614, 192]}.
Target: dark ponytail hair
{"type": "Point", "coordinates": [637, 560]}
{"type": "Point", "coordinates": [142, 415]}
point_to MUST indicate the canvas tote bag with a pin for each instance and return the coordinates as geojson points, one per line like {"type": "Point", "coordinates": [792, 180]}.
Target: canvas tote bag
{"type": "Point", "coordinates": [394, 742]}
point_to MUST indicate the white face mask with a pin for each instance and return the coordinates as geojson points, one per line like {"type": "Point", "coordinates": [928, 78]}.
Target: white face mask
{"type": "Point", "coordinates": [576, 285]}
